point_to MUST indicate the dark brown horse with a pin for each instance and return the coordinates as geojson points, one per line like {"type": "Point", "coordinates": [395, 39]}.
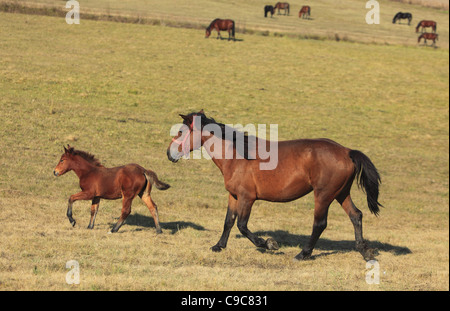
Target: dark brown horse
{"type": "Point", "coordinates": [304, 165]}
{"type": "Point", "coordinates": [221, 24]}
{"type": "Point", "coordinates": [428, 36]}
{"type": "Point", "coordinates": [400, 15]}
{"type": "Point", "coordinates": [305, 12]}
{"type": "Point", "coordinates": [269, 9]}
{"type": "Point", "coordinates": [424, 24]}
{"type": "Point", "coordinates": [282, 6]}
{"type": "Point", "coordinates": [98, 182]}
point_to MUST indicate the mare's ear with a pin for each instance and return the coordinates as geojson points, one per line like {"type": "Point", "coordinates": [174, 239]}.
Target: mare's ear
{"type": "Point", "coordinates": [69, 149]}
{"type": "Point", "coordinates": [187, 118]}
{"type": "Point", "coordinates": [65, 150]}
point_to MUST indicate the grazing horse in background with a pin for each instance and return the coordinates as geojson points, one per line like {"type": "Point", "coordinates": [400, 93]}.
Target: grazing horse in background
{"type": "Point", "coordinates": [400, 15]}
{"type": "Point", "coordinates": [424, 24]}
{"type": "Point", "coordinates": [269, 9]}
{"type": "Point", "coordinates": [305, 11]}
{"type": "Point", "coordinates": [428, 36]}
{"type": "Point", "coordinates": [282, 6]}
{"type": "Point", "coordinates": [98, 182]}
{"type": "Point", "coordinates": [221, 24]}
{"type": "Point", "coordinates": [304, 165]}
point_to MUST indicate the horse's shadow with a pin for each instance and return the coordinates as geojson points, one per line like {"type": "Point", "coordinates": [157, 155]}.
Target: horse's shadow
{"type": "Point", "coordinates": [148, 222]}
{"type": "Point", "coordinates": [226, 39]}
{"type": "Point", "coordinates": [286, 239]}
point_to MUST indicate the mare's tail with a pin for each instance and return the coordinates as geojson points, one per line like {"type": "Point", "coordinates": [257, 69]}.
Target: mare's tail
{"type": "Point", "coordinates": [368, 179]}
{"type": "Point", "coordinates": [233, 29]}
{"type": "Point", "coordinates": [153, 180]}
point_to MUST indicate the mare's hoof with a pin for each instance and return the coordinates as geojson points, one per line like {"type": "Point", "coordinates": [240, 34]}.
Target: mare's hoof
{"type": "Point", "coordinates": [216, 248]}
{"type": "Point", "coordinates": [302, 256]}
{"type": "Point", "coordinates": [271, 244]}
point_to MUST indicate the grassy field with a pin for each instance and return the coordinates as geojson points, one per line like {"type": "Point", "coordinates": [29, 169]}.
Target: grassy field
{"type": "Point", "coordinates": [116, 89]}
{"type": "Point", "coordinates": [330, 19]}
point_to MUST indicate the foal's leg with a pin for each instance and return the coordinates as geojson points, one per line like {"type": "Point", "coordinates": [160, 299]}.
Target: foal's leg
{"type": "Point", "coordinates": [356, 217]}
{"type": "Point", "coordinates": [126, 210]}
{"type": "Point", "coordinates": [153, 210]}
{"type": "Point", "coordinates": [75, 197]}
{"type": "Point", "coordinates": [244, 209]}
{"type": "Point", "coordinates": [94, 210]}
{"type": "Point", "coordinates": [322, 203]}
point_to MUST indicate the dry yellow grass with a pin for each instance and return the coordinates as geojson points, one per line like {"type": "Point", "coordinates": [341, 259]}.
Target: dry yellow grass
{"type": "Point", "coordinates": [118, 88]}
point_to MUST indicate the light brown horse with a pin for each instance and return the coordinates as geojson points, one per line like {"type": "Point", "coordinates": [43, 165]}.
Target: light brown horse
{"type": "Point", "coordinates": [221, 24]}
{"type": "Point", "coordinates": [424, 24]}
{"type": "Point", "coordinates": [282, 6]}
{"type": "Point", "coordinates": [428, 36]}
{"type": "Point", "coordinates": [305, 12]}
{"type": "Point", "coordinates": [304, 165]}
{"type": "Point", "coordinates": [98, 182]}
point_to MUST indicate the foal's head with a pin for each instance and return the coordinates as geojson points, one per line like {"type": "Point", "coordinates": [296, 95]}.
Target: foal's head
{"type": "Point", "coordinates": [70, 158]}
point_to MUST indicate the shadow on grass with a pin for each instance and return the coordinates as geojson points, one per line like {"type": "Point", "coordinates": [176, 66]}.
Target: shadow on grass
{"type": "Point", "coordinates": [286, 239]}
{"type": "Point", "coordinates": [148, 222]}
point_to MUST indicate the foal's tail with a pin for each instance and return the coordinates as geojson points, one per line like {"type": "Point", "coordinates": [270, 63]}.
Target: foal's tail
{"type": "Point", "coordinates": [368, 179]}
{"type": "Point", "coordinates": [153, 180]}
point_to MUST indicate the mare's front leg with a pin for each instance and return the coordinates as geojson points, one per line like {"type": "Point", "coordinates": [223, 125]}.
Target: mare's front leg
{"type": "Point", "coordinates": [75, 197]}
{"type": "Point", "coordinates": [94, 210]}
{"type": "Point", "coordinates": [244, 209]}
{"type": "Point", "coordinates": [229, 223]}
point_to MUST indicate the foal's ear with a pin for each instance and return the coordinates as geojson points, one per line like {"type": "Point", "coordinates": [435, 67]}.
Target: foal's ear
{"type": "Point", "coordinates": [69, 149]}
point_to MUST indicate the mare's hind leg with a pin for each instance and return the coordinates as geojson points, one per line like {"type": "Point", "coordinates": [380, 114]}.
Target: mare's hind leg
{"type": "Point", "coordinates": [94, 210]}
{"type": "Point", "coordinates": [153, 210]}
{"type": "Point", "coordinates": [322, 203]}
{"type": "Point", "coordinates": [126, 210]}
{"type": "Point", "coordinates": [356, 218]}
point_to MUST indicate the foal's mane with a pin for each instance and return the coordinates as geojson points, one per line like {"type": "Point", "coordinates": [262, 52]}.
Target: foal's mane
{"type": "Point", "coordinates": [85, 155]}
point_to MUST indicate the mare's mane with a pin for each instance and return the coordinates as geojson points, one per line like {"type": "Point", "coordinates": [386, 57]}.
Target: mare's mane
{"type": "Point", "coordinates": [225, 129]}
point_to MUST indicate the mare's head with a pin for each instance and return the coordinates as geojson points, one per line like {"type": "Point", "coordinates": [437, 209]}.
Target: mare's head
{"type": "Point", "coordinates": [182, 144]}
{"type": "Point", "coordinates": [208, 32]}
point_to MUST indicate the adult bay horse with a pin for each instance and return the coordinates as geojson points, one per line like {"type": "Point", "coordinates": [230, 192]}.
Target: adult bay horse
{"type": "Point", "coordinates": [221, 24]}
{"type": "Point", "coordinates": [98, 182]}
{"type": "Point", "coordinates": [428, 36]}
{"type": "Point", "coordinates": [282, 6]}
{"type": "Point", "coordinates": [400, 15]}
{"type": "Point", "coordinates": [321, 166]}
{"type": "Point", "coordinates": [269, 9]}
{"type": "Point", "coordinates": [424, 24]}
{"type": "Point", "coordinates": [305, 11]}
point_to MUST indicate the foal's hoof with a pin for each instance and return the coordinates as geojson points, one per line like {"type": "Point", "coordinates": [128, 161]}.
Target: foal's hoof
{"type": "Point", "coordinates": [216, 248]}
{"type": "Point", "coordinates": [159, 231]}
{"type": "Point", "coordinates": [73, 222]}
{"type": "Point", "coordinates": [271, 244]}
